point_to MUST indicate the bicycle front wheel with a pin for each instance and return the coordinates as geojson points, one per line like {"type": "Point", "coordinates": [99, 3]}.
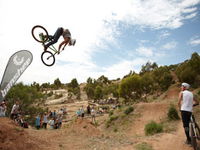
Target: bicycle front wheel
{"type": "Point", "coordinates": [48, 58]}
{"type": "Point", "coordinates": [197, 131]}
{"type": "Point", "coordinates": [193, 137]}
{"type": "Point", "coordinates": [39, 33]}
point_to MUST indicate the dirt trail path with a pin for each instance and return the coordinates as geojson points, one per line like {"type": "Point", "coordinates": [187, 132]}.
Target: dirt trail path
{"type": "Point", "coordinates": [164, 141]}
{"type": "Point", "coordinates": [172, 141]}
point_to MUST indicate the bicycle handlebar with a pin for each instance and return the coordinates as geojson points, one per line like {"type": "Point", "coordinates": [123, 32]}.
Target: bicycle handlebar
{"type": "Point", "coordinates": [195, 105]}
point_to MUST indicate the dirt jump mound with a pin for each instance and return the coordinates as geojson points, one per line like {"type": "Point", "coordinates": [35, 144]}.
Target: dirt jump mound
{"type": "Point", "coordinates": [13, 137]}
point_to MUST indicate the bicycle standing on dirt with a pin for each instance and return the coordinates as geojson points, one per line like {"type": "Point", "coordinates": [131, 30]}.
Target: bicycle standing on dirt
{"type": "Point", "coordinates": [40, 34]}
{"type": "Point", "coordinates": [194, 132]}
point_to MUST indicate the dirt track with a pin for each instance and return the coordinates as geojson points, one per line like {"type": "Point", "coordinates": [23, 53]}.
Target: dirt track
{"type": "Point", "coordinates": [82, 135]}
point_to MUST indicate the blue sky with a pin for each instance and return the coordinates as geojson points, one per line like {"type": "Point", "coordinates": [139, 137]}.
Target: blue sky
{"type": "Point", "coordinates": [113, 36]}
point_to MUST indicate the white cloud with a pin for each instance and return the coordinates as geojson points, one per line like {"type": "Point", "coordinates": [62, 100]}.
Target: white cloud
{"type": "Point", "coordinates": [155, 13]}
{"type": "Point", "coordinates": [91, 22]}
{"type": "Point", "coordinates": [164, 34]}
{"type": "Point", "coordinates": [123, 68]}
{"type": "Point", "coordinates": [170, 45]}
{"type": "Point", "coordinates": [194, 41]}
{"type": "Point", "coordinates": [145, 51]}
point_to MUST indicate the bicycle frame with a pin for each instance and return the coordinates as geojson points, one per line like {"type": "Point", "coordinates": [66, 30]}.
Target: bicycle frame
{"type": "Point", "coordinates": [192, 121]}
{"type": "Point", "coordinates": [52, 47]}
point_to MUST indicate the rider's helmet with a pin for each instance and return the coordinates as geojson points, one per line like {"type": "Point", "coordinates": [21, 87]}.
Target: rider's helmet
{"type": "Point", "coordinates": [72, 42]}
{"type": "Point", "coordinates": [186, 85]}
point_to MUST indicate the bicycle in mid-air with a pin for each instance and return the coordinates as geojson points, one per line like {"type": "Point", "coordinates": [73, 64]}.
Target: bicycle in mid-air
{"type": "Point", "coordinates": [194, 132]}
{"type": "Point", "coordinates": [41, 35]}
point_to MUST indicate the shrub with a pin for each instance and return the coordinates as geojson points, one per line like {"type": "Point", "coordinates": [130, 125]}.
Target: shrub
{"type": "Point", "coordinates": [50, 94]}
{"type": "Point", "coordinates": [153, 128]}
{"type": "Point", "coordinates": [128, 110]}
{"type": "Point", "coordinates": [110, 113]}
{"type": "Point", "coordinates": [58, 96]}
{"type": "Point", "coordinates": [172, 113]}
{"type": "Point", "coordinates": [112, 118]}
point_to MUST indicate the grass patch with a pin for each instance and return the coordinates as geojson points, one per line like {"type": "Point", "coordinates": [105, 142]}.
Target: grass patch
{"type": "Point", "coordinates": [18, 129]}
{"type": "Point", "coordinates": [153, 128]}
{"type": "Point", "coordinates": [143, 146]}
{"type": "Point", "coordinates": [173, 113]}
{"type": "Point", "coordinates": [128, 110]}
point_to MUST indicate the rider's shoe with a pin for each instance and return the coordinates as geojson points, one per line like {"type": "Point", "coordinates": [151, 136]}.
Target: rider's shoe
{"type": "Point", "coordinates": [45, 47]}
{"type": "Point", "coordinates": [188, 142]}
{"type": "Point", "coordinates": [51, 37]}
{"type": "Point", "coordinates": [58, 52]}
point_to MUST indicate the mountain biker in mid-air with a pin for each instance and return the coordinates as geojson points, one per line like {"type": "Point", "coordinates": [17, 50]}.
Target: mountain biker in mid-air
{"type": "Point", "coordinates": [185, 103]}
{"type": "Point", "coordinates": [66, 36]}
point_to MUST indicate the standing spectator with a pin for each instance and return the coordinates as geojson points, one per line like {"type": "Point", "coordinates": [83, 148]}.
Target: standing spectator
{"type": "Point", "coordinates": [93, 115]}
{"type": "Point", "coordinates": [82, 112]}
{"type": "Point", "coordinates": [15, 110]}
{"type": "Point", "coordinates": [37, 122]}
{"type": "Point", "coordinates": [78, 112]}
{"type": "Point", "coordinates": [45, 120]}
{"type": "Point", "coordinates": [50, 114]}
{"type": "Point", "coordinates": [60, 117]}
{"type": "Point", "coordinates": [88, 110]}
{"type": "Point", "coordinates": [54, 114]}
{"type": "Point", "coordinates": [3, 109]}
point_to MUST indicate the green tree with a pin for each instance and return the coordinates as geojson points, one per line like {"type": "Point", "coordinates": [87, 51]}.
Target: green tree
{"type": "Point", "coordinates": [98, 93]}
{"type": "Point", "coordinates": [148, 67]}
{"type": "Point", "coordinates": [189, 71]}
{"type": "Point", "coordinates": [74, 88]}
{"type": "Point", "coordinates": [57, 83]}
{"type": "Point", "coordinates": [29, 98]}
{"type": "Point", "coordinates": [162, 77]}
{"type": "Point", "coordinates": [130, 87]}
{"type": "Point", "coordinates": [102, 79]}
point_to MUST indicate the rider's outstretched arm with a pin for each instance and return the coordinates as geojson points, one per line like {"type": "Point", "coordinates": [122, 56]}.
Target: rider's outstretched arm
{"type": "Point", "coordinates": [64, 46]}
{"type": "Point", "coordinates": [61, 44]}
{"type": "Point", "coordinates": [66, 41]}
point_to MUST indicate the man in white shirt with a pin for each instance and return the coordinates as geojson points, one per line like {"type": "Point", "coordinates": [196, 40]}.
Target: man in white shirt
{"type": "Point", "coordinates": [185, 103]}
{"type": "Point", "coordinates": [15, 110]}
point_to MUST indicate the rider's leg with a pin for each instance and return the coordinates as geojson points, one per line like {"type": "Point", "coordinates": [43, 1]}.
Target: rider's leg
{"type": "Point", "coordinates": [186, 120]}
{"type": "Point", "coordinates": [56, 36]}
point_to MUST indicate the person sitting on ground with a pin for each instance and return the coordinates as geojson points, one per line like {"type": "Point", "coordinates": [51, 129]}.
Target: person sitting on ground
{"type": "Point", "coordinates": [51, 123]}
{"type": "Point", "coordinates": [66, 36]}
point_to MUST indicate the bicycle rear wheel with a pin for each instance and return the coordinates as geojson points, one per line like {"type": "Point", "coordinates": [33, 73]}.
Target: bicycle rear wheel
{"type": "Point", "coordinates": [193, 137]}
{"type": "Point", "coordinates": [40, 34]}
{"type": "Point", "coordinates": [197, 131]}
{"type": "Point", "coordinates": [48, 58]}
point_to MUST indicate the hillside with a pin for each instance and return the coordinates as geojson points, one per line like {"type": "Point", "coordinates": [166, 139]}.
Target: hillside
{"type": "Point", "coordinates": [78, 134]}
